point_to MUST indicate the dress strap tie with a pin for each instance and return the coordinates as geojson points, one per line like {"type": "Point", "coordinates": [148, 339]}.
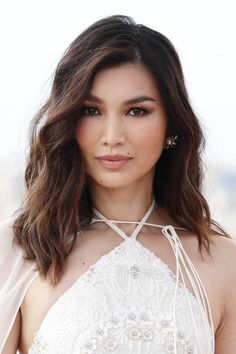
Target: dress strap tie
{"type": "Point", "coordinates": [117, 229]}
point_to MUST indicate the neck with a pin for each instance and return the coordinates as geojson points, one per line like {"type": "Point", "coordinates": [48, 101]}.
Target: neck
{"type": "Point", "coordinates": [126, 206]}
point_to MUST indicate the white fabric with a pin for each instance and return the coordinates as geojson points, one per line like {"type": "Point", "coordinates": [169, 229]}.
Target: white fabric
{"type": "Point", "coordinates": [130, 302]}
{"type": "Point", "coordinates": [16, 275]}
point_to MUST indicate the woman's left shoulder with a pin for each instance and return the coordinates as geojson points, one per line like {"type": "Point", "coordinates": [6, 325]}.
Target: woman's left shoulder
{"type": "Point", "coordinates": [223, 247]}
{"type": "Point", "coordinates": [223, 256]}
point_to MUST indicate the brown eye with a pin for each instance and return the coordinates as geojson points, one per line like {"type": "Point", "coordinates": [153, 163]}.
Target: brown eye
{"type": "Point", "coordinates": [138, 111]}
{"type": "Point", "coordinates": [89, 111]}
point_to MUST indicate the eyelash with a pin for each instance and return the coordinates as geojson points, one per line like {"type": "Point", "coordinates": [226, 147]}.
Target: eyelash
{"type": "Point", "coordinates": [83, 108]}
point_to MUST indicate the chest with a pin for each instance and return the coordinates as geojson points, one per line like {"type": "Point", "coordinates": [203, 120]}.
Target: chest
{"type": "Point", "coordinates": [134, 280]}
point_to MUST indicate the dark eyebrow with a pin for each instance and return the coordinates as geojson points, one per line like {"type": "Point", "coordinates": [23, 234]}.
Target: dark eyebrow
{"type": "Point", "coordinates": [136, 99]}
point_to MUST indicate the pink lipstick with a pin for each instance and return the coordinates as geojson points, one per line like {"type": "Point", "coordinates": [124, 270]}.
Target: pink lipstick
{"type": "Point", "coordinates": [113, 161]}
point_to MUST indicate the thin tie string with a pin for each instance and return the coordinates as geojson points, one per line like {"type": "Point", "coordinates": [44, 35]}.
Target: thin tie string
{"type": "Point", "coordinates": [172, 240]}
{"type": "Point", "coordinates": [199, 292]}
{"type": "Point", "coordinates": [202, 294]}
{"type": "Point", "coordinates": [146, 216]}
{"type": "Point", "coordinates": [205, 300]}
{"type": "Point", "coordinates": [118, 230]}
{"type": "Point", "coordinates": [135, 222]}
{"type": "Point", "coordinates": [198, 288]}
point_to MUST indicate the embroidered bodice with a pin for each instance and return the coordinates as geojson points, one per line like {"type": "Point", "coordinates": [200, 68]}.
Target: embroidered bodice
{"type": "Point", "coordinates": [128, 302]}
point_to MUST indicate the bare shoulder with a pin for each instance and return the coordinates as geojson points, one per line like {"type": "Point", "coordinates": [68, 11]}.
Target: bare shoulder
{"type": "Point", "coordinates": [223, 252]}
{"type": "Point", "coordinates": [6, 232]}
{"type": "Point", "coordinates": [223, 255]}
{"type": "Point", "coordinates": [222, 242]}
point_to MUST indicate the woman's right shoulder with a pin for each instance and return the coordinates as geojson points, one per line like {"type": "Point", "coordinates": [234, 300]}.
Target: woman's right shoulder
{"type": "Point", "coordinates": [8, 222]}
{"type": "Point", "coordinates": [6, 231]}
{"type": "Point", "coordinates": [9, 250]}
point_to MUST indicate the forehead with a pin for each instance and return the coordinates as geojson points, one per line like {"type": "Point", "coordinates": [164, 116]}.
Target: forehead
{"type": "Point", "coordinates": [123, 81]}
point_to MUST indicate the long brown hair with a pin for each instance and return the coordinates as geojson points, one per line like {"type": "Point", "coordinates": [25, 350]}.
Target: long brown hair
{"type": "Point", "coordinates": [58, 203]}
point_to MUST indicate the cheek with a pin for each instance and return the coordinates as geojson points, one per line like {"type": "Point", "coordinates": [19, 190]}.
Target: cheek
{"type": "Point", "coordinates": [151, 138]}
{"type": "Point", "coordinates": [85, 136]}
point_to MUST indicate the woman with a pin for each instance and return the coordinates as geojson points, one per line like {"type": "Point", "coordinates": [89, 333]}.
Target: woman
{"type": "Point", "coordinates": [114, 246]}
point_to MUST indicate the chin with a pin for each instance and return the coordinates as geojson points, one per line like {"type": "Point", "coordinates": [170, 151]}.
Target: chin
{"type": "Point", "coordinates": [111, 181]}
{"type": "Point", "coordinates": [112, 184]}
{"type": "Point", "coordinates": [114, 181]}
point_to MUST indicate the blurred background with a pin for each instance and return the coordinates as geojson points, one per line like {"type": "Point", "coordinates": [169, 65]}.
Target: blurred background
{"type": "Point", "coordinates": [34, 36]}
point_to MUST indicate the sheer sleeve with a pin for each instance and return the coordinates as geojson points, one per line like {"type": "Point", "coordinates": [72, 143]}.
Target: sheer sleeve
{"type": "Point", "coordinates": [16, 274]}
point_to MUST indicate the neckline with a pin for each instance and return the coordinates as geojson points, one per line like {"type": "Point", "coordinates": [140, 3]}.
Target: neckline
{"type": "Point", "coordinates": [156, 261]}
{"type": "Point", "coordinates": [121, 232]}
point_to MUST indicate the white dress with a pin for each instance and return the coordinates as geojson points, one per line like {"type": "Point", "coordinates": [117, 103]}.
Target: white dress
{"type": "Point", "coordinates": [130, 301]}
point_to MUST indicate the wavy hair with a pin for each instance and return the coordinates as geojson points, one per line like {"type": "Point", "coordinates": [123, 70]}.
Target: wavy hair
{"type": "Point", "coordinates": [58, 203]}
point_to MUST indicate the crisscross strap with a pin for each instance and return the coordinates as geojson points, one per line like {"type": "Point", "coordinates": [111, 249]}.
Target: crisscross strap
{"type": "Point", "coordinates": [117, 229]}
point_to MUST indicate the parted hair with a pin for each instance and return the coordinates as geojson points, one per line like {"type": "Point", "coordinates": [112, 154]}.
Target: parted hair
{"type": "Point", "coordinates": [57, 203]}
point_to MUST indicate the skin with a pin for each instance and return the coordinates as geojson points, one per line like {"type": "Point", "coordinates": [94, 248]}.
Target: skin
{"type": "Point", "coordinates": [113, 127]}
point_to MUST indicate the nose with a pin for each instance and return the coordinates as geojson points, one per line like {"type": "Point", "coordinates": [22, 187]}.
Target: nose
{"type": "Point", "coordinates": [113, 132]}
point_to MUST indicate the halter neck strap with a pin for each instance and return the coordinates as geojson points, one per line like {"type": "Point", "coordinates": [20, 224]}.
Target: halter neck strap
{"type": "Point", "coordinates": [118, 230]}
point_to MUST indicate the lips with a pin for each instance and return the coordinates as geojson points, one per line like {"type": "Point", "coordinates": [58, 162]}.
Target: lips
{"type": "Point", "coordinates": [113, 162]}
{"type": "Point", "coordinates": [114, 157]}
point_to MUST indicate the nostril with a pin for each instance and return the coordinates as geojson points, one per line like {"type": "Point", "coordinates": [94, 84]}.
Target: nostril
{"type": "Point", "coordinates": [113, 136]}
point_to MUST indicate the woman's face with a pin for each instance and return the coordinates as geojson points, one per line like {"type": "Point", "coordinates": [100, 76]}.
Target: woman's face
{"type": "Point", "coordinates": [123, 116]}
